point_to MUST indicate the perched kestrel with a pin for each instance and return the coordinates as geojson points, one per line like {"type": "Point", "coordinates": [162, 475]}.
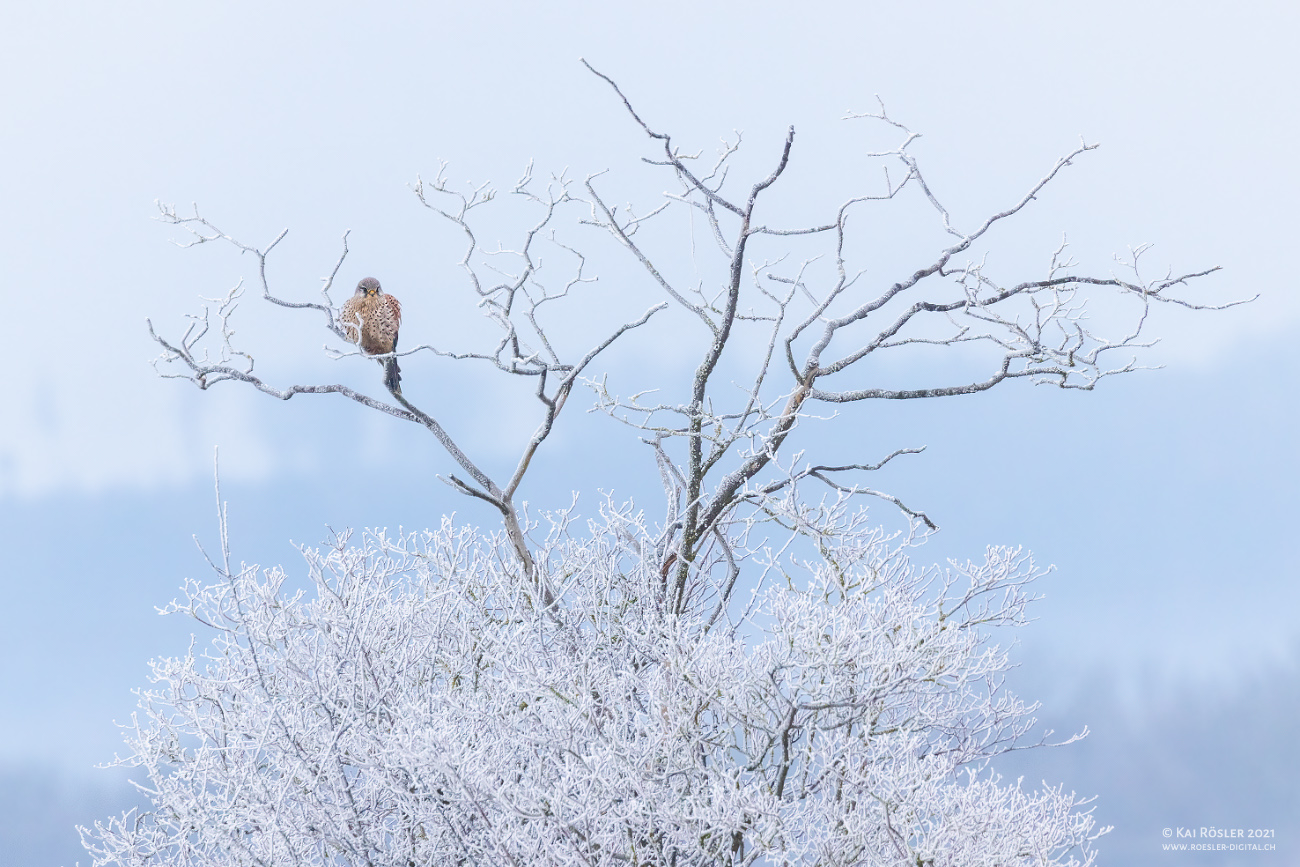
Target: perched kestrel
{"type": "Point", "coordinates": [379, 317]}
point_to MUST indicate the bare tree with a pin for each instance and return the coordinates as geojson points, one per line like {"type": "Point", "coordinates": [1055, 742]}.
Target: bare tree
{"type": "Point", "coordinates": [720, 449]}
{"type": "Point", "coordinates": [760, 677]}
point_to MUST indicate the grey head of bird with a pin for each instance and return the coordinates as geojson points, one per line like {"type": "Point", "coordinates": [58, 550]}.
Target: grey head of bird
{"type": "Point", "coordinates": [369, 286]}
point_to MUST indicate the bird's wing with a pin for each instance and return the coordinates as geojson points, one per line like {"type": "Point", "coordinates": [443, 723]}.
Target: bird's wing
{"type": "Point", "coordinates": [349, 318]}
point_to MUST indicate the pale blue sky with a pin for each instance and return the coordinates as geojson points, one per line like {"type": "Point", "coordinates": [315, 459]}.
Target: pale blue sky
{"type": "Point", "coordinates": [1166, 500]}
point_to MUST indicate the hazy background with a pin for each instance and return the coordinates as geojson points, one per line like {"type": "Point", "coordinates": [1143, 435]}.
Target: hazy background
{"type": "Point", "coordinates": [1165, 500]}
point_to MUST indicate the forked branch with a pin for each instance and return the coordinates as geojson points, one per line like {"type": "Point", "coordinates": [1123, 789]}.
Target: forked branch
{"type": "Point", "coordinates": [208, 355]}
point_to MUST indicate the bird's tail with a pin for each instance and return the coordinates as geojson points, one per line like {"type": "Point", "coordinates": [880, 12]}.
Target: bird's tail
{"type": "Point", "coordinates": [392, 375]}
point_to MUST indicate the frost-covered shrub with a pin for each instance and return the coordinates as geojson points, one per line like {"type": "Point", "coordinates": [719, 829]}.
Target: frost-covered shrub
{"type": "Point", "coordinates": [417, 705]}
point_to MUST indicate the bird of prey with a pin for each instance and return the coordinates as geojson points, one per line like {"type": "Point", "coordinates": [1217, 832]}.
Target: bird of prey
{"type": "Point", "coordinates": [370, 319]}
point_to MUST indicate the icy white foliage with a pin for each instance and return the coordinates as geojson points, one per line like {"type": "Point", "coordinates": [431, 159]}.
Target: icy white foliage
{"type": "Point", "coordinates": [417, 705]}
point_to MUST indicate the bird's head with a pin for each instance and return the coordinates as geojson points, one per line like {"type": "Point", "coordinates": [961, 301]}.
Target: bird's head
{"type": "Point", "coordinates": [369, 286]}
